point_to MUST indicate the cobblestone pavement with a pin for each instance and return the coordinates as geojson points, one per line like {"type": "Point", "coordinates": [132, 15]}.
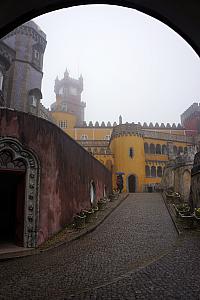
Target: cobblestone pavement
{"type": "Point", "coordinates": [134, 254]}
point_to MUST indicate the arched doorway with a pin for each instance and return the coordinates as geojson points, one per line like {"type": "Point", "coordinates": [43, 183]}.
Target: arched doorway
{"type": "Point", "coordinates": [19, 207]}
{"type": "Point", "coordinates": [132, 183]}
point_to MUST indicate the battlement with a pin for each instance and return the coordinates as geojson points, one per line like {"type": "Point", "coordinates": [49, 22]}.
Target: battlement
{"type": "Point", "coordinates": [151, 126]}
{"type": "Point", "coordinates": [161, 126]}
{"type": "Point", "coordinates": [98, 125]}
{"type": "Point", "coordinates": [137, 129]}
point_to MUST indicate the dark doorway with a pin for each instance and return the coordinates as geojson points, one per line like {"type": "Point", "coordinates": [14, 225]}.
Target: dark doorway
{"type": "Point", "coordinates": [132, 184]}
{"type": "Point", "coordinates": [12, 191]}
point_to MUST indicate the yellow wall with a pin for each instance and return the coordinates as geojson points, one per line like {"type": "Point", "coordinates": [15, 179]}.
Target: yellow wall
{"type": "Point", "coordinates": [64, 116]}
{"type": "Point", "coordinates": [124, 163]}
{"type": "Point", "coordinates": [93, 133]}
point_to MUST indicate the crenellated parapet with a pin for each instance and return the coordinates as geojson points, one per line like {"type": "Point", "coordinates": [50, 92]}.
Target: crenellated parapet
{"type": "Point", "coordinates": [127, 129]}
{"type": "Point", "coordinates": [99, 125]}
{"type": "Point", "coordinates": [161, 126]}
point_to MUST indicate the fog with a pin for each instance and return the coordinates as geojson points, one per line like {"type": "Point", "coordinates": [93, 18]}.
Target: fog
{"type": "Point", "coordinates": [132, 64]}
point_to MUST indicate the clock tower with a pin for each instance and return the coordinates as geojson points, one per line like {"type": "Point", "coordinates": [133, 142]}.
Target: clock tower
{"type": "Point", "coordinates": [68, 97]}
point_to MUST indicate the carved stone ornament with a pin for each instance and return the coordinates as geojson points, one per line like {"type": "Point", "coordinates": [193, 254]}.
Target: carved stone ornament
{"type": "Point", "coordinates": [13, 155]}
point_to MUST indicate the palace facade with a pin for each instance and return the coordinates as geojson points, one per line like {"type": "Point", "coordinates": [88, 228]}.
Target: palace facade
{"type": "Point", "coordinates": [139, 152]}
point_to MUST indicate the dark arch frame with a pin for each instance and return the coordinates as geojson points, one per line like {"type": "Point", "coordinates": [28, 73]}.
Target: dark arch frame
{"type": "Point", "coordinates": [182, 18]}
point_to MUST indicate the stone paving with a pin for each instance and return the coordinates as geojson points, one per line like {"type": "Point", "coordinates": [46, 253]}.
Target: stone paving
{"type": "Point", "coordinates": [134, 254]}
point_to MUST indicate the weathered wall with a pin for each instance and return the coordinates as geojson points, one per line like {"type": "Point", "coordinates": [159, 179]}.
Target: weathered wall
{"type": "Point", "coordinates": [195, 182]}
{"type": "Point", "coordinates": [177, 175]}
{"type": "Point", "coordinates": [66, 169]}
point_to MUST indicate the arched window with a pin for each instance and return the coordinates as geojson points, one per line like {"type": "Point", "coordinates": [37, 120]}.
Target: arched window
{"type": "Point", "coordinates": [152, 149]}
{"type": "Point", "coordinates": [164, 149]}
{"type": "Point", "coordinates": [146, 148]}
{"type": "Point", "coordinates": [89, 150]}
{"type": "Point", "coordinates": [158, 149]}
{"type": "Point", "coordinates": [180, 150]}
{"type": "Point", "coordinates": [107, 137]}
{"type": "Point", "coordinates": [147, 171]}
{"type": "Point", "coordinates": [159, 171]}
{"type": "Point", "coordinates": [175, 150]}
{"type": "Point", "coordinates": [153, 171]}
{"type": "Point", "coordinates": [102, 150]}
{"type": "Point", "coordinates": [131, 152]}
{"type": "Point", "coordinates": [84, 137]}
{"type": "Point", "coordinates": [185, 150]}
{"type": "Point", "coordinates": [95, 151]}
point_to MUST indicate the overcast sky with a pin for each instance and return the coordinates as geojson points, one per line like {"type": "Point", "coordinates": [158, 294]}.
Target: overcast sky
{"type": "Point", "coordinates": [132, 64]}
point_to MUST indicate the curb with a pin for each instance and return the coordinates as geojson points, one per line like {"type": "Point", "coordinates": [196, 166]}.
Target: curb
{"type": "Point", "coordinates": [25, 253]}
{"type": "Point", "coordinates": [169, 211]}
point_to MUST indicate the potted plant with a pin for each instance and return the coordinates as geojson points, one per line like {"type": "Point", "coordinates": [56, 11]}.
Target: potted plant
{"type": "Point", "coordinates": [89, 215]}
{"type": "Point", "coordinates": [102, 204]}
{"type": "Point", "coordinates": [79, 220]}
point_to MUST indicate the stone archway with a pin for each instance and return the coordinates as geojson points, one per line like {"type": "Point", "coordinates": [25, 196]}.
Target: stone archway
{"type": "Point", "coordinates": [15, 157]}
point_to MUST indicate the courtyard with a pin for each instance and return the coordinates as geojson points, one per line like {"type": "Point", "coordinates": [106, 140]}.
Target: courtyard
{"type": "Point", "coordinates": [135, 253]}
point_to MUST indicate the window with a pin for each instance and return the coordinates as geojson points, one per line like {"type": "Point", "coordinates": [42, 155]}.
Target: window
{"type": "Point", "coordinates": [33, 101]}
{"type": "Point", "coordinates": [159, 171]}
{"type": "Point", "coordinates": [84, 137]}
{"type": "Point", "coordinates": [185, 149]}
{"type": "Point", "coordinates": [158, 149]}
{"type": "Point", "coordinates": [152, 149]}
{"type": "Point", "coordinates": [146, 148]}
{"type": "Point", "coordinates": [36, 54]}
{"type": "Point", "coordinates": [153, 171]}
{"type": "Point", "coordinates": [175, 150]}
{"type": "Point", "coordinates": [147, 171]}
{"type": "Point", "coordinates": [164, 149]}
{"type": "Point", "coordinates": [107, 137]}
{"type": "Point", "coordinates": [1, 80]}
{"type": "Point", "coordinates": [62, 124]}
{"type": "Point", "coordinates": [180, 150]}
{"type": "Point", "coordinates": [131, 152]}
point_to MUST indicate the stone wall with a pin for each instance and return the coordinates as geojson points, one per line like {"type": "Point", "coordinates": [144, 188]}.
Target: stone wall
{"type": "Point", "coordinates": [66, 169]}
{"type": "Point", "coordinates": [177, 175]}
{"type": "Point", "coordinates": [195, 182]}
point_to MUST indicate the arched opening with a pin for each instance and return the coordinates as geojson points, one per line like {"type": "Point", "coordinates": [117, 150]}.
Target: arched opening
{"type": "Point", "coordinates": [153, 171]}
{"type": "Point", "coordinates": [164, 149]}
{"type": "Point", "coordinates": [12, 190]}
{"type": "Point", "coordinates": [175, 150]}
{"type": "Point", "coordinates": [19, 177]}
{"type": "Point", "coordinates": [180, 150]}
{"type": "Point", "coordinates": [147, 171]}
{"type": "Point", "coordinates": [159, 171]}
{"type": "Point", "coordinates": [152, 149]}
{"type": "Point", "coordinates": [132, 184]}
{"type": "Point", "coordinates": [158, 149]}
{"type": "Point", "coordinates": [146, 148]}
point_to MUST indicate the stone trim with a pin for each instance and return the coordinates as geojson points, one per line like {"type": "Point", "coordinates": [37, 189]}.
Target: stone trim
{"type": "Point", "coordinates": [31, 205]}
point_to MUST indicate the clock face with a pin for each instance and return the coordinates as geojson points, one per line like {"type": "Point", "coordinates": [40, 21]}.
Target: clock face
{"type": "Point", "coordinates": [73, 91]}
